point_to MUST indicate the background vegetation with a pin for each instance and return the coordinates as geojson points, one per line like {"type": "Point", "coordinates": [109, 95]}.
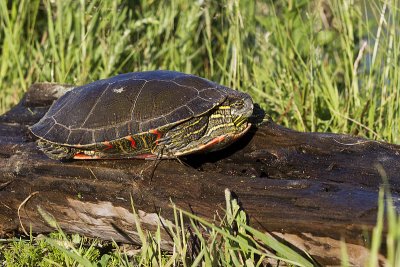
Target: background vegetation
{"type": "Point", "coordinates": [313, 65]}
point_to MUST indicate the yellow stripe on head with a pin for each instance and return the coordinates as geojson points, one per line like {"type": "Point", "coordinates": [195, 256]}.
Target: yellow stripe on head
{"type": "Point", "coordinates": [224, 107]}
{"type": "Point", "coordinates": [215, 115]}
{"type": "Point", "coordinates": [239, 120]}
{"type": "Point", "coordinates": [216, 127]}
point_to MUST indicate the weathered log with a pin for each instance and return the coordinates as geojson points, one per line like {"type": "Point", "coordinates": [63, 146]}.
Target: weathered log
{"type": "Point", "coordinates": [311, 189]}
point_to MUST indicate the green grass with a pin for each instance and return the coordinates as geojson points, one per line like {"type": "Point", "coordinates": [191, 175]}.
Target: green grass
{"type": "Point", "coordinates": [313, 65]}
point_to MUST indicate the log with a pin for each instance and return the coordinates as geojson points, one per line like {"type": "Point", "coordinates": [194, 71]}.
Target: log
{"type": "Point", "coordinates": [310, 189]}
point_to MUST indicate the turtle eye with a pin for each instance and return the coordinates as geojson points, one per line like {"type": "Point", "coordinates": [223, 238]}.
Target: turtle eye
{"type": "Point", "coordinates": [237, 105]}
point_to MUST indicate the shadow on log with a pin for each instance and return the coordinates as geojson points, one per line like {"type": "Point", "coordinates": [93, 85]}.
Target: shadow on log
{"type": "Point", "coordinates": [311, 189]}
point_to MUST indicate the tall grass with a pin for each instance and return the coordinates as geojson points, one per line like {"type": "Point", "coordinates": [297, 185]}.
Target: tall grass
{"type": "Point", "coordinates": [314, 65]}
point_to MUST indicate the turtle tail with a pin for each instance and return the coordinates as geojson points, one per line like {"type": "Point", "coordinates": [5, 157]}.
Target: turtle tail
{"type": "Point", "coordinates": [55, 151]}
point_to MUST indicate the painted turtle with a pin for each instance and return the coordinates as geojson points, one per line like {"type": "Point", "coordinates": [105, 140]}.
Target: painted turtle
{"type": "Point", "coordinates": [149, 114]}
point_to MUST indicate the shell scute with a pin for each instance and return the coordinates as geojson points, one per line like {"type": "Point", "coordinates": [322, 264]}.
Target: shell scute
{"type": "Point", "coordinates": [113, 106]}
{"type": "Point", "coordinates": [150, 124]}
{"type": "Point", "coordinates": [106, 134]}
{"type": "Point", "coordinates": [161, 97]}
{"type": "Point", "coordinates": [77, 106]}
{"type": "Point", "coordinates": [45, 126]}
{"type": "Point", "coordinates": [60, 131]}
{"type": "Point", "coordinates": [80, 137]}
{"type": "Point", "coordinates": [196, 83]}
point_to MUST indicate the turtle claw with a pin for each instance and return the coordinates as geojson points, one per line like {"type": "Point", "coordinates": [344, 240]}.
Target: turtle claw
{"type": "Point", "coordinates": [55, 151]}
{"type": "Point", "coordinates": [164, 141]}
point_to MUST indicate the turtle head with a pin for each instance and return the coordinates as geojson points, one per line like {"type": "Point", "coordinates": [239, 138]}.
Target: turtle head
{"type": "Point", "coordinates": [214, 130]}
{"type": "Point", "coordinates": [241, 109]}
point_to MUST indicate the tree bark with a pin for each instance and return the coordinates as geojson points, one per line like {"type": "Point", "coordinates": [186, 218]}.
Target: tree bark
{"type": "Point", "coordinates": [310, 189]}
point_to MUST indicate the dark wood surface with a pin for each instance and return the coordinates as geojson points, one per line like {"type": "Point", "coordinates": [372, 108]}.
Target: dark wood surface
{"type": "Point", "coordinates": [311, 189]}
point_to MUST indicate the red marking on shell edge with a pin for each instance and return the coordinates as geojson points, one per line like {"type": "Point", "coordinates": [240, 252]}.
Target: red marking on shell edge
{"type": "Point", "coordinates": [108, 145]}
{"type": "Point", "coordinates": [156, 132]}
{"type": "Point", "coordinates": [84, 156]}
{"type": "Point", "coordinates": [213, 142]}
{"type": "Point", "coordinates": [133, 143]}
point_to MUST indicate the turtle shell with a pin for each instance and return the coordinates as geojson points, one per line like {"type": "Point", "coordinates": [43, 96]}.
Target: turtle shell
{"type": "Point", "coordinates": [127, 104]}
